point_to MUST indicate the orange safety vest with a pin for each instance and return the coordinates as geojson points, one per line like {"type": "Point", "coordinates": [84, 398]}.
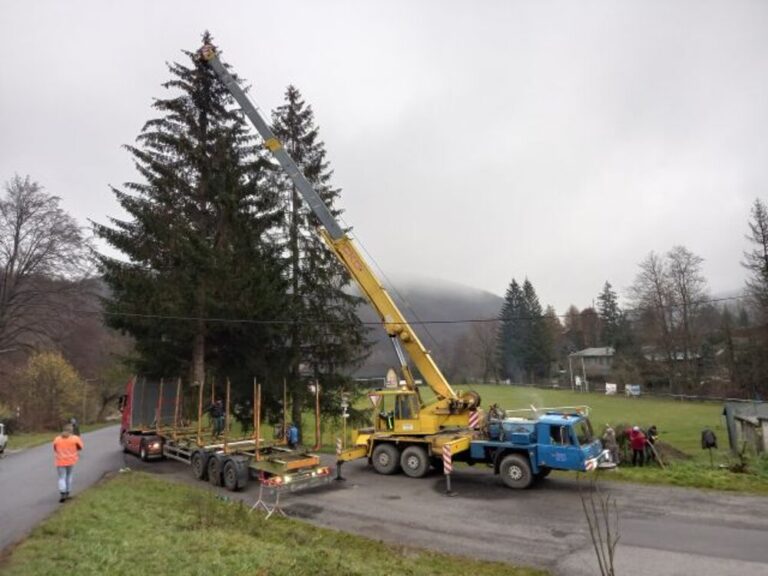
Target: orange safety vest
{"type": "Point", "coordinates": [66, 449]}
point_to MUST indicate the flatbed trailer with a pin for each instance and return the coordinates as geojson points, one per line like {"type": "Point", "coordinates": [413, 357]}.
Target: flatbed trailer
{"type": "Point", "coordinates": [150, 430]}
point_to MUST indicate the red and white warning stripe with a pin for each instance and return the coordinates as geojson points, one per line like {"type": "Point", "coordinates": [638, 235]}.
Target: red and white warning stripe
{"type": "Point", "coordinates": [474, 420]}
{"type": "Point", "coordinates": [447, 459]}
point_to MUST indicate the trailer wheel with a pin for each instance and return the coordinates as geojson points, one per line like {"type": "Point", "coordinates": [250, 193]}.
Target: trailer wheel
{"type": "Point", "coordinates": [515, 471]}
{"type": "Point", "coordinates": [199, 465]}
{"type": "Point", "coordinates": [386, 459]}
{"type": "Point", "coordinates": [214, 471]}
{"type": "Point", "coordinates": [234, 475]}
{"type": "Point", "coordinates": [415, 462]}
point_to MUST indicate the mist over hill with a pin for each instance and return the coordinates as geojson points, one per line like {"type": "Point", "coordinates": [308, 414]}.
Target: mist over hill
{"type": "Point", "coordinates": [423, 299]}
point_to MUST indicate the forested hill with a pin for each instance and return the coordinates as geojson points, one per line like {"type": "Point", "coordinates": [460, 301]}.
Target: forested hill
{"type": "Point", "coordinates": [429, 300]}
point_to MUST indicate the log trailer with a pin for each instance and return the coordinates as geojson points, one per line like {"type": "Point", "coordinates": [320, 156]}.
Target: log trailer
{"type": "Point", "coordinates": [409, 434]}
{"type": "Point", "coordinates": [152, 427]}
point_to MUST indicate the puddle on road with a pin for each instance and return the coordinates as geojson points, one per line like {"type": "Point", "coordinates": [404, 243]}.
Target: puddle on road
{"type": "Point", "coordinates": [303, 510]}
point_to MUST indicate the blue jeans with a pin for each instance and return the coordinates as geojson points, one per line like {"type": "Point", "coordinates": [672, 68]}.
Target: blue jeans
{"type": "Point", "coordinates": [65, 478]}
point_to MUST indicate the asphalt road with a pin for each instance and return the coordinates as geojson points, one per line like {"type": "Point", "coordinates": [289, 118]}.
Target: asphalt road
{"type": "Point", "coordinates": [664, 531]}
{"type": "Point", "coordinates": [28, 481]}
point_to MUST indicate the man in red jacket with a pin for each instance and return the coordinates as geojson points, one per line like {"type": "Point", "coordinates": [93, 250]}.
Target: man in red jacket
{"type": "Point", "coordinates": [637, 442]}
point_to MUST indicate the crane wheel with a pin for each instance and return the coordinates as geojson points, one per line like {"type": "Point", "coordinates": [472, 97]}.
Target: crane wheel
{"type": "Point", "coordinates": [386, 459]}
{"type": "Point", "coordinates": [214, 471]}
{"type": "Point", "coordinates": [515, 471]}
{"type": "Point", "coordinates": [415, 462]}
{"type": "Point", "coordinates": [199, 464]}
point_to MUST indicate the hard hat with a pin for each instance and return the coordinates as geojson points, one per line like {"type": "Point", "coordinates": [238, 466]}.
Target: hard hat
{"type": "Point", "coordinates": [636, 428]}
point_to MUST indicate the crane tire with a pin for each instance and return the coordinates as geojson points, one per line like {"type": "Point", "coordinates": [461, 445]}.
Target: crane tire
{"type": "Point", "coordinates": [386, 459]}
{"type": "Point", "coordinates": [516, 472]}
{"type": "Point", "coordinates": [415, 462]}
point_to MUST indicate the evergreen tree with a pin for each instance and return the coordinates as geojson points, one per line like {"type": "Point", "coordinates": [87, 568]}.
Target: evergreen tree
{"type": "Point", "coordinates": [326, 334]}
{"type": "Point", "coordinates": [195, 242]}
{"type": "Point", "coordinates": [539, 348]}
{"type": "Point", "coordinates": [511, 334]}
{"type": "Point", "coordinates": [610, 315]}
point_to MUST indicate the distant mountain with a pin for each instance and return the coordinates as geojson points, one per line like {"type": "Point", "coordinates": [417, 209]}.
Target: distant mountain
{"type": "Point", "coordinates": [422, 299]}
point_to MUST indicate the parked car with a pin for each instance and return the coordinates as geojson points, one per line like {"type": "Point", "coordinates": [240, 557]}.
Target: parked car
{"type": "Point", "coordinates": [3, 438]}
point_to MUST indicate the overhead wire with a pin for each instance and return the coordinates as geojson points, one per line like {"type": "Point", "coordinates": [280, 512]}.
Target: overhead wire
{"type": "Point", "coordinates": [255, 321]}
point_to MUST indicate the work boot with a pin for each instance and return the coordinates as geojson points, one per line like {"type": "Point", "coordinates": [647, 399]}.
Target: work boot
{"type": "Point", "coordinates": [62, 497]}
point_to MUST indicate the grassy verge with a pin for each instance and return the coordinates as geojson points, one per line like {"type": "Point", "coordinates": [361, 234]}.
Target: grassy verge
{"type": "Point", "coordinates": [137, 524]}
{"type": "Point", "coordinates": [29, 439]}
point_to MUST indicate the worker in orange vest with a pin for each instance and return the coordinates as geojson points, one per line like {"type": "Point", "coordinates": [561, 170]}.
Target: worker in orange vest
{"type": "Point", "coordinates": [66, 448]}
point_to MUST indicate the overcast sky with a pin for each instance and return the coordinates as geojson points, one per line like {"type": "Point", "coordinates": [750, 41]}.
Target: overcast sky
{"type": "Point", "coordinates": [474, 141]}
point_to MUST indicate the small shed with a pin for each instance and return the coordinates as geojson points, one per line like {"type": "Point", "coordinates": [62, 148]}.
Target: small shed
{"type": "Point", "coordinates": [747, 422]}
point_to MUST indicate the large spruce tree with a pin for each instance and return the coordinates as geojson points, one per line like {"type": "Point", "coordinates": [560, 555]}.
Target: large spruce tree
{"type": "Point", "coordinates": [539, 346]}
{"type": "Point", "coordinates": [610, 315]}
{"type": "Point", "coordinates": [195, 243]}
{"type": "Point", "coordinates": [326, 334]}
{"type": "Point", "coordinates": [512, 337]}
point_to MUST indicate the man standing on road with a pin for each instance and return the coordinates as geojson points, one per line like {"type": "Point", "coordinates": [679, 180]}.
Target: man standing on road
{"type": "Point", "coordinates": [66, 448]}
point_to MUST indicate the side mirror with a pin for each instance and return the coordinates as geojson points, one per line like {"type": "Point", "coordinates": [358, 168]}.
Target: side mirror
{"type": "Point", "coordinates": [121, 402]}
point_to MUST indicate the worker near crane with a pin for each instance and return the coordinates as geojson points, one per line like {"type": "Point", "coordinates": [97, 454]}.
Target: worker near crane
{"type": "Point", "coordinates": [637, 442]}
{"type": "Point", "coordinates": [610, 443]}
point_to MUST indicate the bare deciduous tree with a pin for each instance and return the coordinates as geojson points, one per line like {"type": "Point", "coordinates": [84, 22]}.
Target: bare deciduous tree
{"type": "Point", "coordinates": [42, 254]}
{"type": "Point", "coordinates": [756, 259]}
{"type": "Point", "coordinates": [484, 343]}
{"type": "Point", "coordinates": [689, 288]}
{"type": "Point", "coordinates": [669, 292]}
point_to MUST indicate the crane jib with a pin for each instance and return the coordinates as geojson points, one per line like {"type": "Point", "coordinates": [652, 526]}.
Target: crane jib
{"type": "Point", "coordinates": [403, 337]}
{"type": "Point", "coordinates": [310, 195]}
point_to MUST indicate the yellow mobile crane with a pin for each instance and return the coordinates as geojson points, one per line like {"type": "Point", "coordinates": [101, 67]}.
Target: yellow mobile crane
{"type": "Point", "coordinates": [407, 432]}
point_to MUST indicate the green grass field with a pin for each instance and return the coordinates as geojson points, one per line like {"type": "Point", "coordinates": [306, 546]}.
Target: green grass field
{"type": "Point", "coordinates": [137, 524]}
{"type": "Point", "coordinates": [29, 439]}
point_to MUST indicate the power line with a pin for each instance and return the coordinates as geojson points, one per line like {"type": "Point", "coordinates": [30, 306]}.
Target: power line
{"type": "Point", "coordinates": [418, 322]}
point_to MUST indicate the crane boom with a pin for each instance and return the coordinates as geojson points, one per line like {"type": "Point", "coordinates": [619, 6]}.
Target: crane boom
{"type": "Point", "coordinates": [395, 324]}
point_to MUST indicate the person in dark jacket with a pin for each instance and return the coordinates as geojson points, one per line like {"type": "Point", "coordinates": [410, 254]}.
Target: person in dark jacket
{"type": "Point", "coordinates": [637, 443]}
{"type": "Point", "coordinates": [216, 411]}
{"type": "Point", "coordinates": [650, 447]}
{"type": "Point", "coordinates": [75, 426]}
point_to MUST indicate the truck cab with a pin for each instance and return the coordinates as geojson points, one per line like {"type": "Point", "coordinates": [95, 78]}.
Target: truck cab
{"type": "Point", "coordinates": [566, 442]}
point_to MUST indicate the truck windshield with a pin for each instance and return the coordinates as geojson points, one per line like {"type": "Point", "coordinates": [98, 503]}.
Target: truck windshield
{"type": "Point", "coordinates": [584, 432]}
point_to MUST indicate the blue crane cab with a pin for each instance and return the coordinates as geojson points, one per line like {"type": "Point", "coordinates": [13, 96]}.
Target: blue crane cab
{"type": "Point", "coordinates": [525, 449]}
